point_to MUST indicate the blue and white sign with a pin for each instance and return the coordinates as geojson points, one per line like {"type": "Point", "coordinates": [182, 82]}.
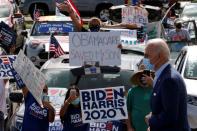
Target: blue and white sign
{"type": "Point", "coordinates": [103, 104]}
{"type": "Point", "coordinates": [6, 62]}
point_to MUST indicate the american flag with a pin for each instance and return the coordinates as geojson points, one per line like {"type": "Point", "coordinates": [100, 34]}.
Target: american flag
{"type": "Point", "coordinates": [36, 13]}
{"type": "Point", "coordinates": [109, 92]}
{"type": "Point", "coordinates": [5, 60]}
{"type": "Point", "coordinates": [55, 47]}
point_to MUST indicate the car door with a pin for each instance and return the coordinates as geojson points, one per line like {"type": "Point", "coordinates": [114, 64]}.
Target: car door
{"type": "Point", "coordinates": [84, 5]}
{"type": "Point", "coordinates": [180, 61]}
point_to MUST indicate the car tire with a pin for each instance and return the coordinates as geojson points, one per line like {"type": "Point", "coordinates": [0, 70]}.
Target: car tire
{"type": "Point", "coordinates": [102, 12]}
{"type": "Point", "coordinates": [42, 7]}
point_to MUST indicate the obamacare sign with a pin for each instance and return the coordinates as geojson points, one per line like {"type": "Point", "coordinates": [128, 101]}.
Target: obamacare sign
{"type": "Point", "coordinates": [103, 104]}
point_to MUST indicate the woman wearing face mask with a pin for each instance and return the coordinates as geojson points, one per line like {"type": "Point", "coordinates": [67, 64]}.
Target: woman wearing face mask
{"type": "Point", "coordinates": [178, 34]}
{"type": "Point", "coordinates": [70, 112]}
{"type": "Point", "coordinates": [138, 98]}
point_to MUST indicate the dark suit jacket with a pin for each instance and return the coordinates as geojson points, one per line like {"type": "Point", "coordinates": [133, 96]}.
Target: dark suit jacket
{"type": "Point", "coordinates": [168, 103]}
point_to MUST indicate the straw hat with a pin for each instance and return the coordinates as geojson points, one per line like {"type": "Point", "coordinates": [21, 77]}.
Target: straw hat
{"type": "Point", "coordinates": [135, 78]}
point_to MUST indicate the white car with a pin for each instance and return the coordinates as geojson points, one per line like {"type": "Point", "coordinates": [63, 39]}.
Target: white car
{"type": "Point", "coordinates": [186, 64]}
{"type": "Point", "coordinates": [37, 45]}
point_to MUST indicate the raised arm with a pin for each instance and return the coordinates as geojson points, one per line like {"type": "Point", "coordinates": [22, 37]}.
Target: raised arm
{"type": "Point", "coordinates": [66, 7]}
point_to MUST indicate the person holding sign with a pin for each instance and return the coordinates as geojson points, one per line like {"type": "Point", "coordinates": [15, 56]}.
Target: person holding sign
{"type": "Point", "coordinates": [37, 118]}
{"type": "Point", "coordinates": [70, 112]}
{"type": "Point", "coordinates": [138, 98]}
{"type": "Point", "coordinates": [94, 23]}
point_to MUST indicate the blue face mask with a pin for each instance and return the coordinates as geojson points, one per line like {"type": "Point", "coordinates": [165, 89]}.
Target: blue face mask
{"type": "Point", "coordinates": [76, 101]}
{"type": "Point", "coordinates": [147, 64]}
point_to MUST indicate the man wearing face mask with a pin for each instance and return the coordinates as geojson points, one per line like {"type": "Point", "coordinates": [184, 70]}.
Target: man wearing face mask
{"type": "Point", "coordinates": [94, 24]}
{"type": "Point", "coordinates": [178, 34]}
{"type": "Point", "coordinates": [70, 112]}
{"type": "Point", "coordinates": [169, 96]}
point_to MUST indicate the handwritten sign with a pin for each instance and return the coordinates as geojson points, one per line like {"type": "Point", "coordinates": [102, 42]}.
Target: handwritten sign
{"type": "Point", "coordinates": [6, 62]}
{"type": "Point", "coordinates": [94, 46]}
{"type": "Point", "coordinates": [134, 15]}
{"type": "Point", "coordinates": [31, 76]}
{"type": "Point", "coordinates": [154, 30]}
{"type": "Point", "coordinates": [103, 104]}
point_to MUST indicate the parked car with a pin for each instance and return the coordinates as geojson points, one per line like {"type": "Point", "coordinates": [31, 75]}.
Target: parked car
{"type": "Point", "coordinates": [98, 7]}
{"type": "Point", "coordinates": [189, 12]}
{"type": "Point", "coordinates": [60, 75]}
{"type": "Point", "coordinates": [186, 64]}
{"type": "Point", "coordinates": [37, 45]}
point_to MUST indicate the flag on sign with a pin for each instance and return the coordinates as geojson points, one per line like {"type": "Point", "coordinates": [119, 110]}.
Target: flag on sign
{"type": "Point", "coordinates": [5, 60]}
{"type": "Point", "coordinates": [74, 8]}
{"type": "Point", "coordinates": [36, 13]}
{"type": "Point", "coordinates": [55, 47]}
{"type": "Point", "coordinates": [109, 92]}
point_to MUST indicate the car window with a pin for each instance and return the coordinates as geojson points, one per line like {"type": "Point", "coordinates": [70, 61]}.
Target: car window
{"type": "Point", "coordinates": [4, 11]}
{"type": "Point", "coordinates": [191, 67]}
{"type": "Point", "coordinates": [190, 10]}
{"type": "Point", "coordinates": [106, 80]}
{"type": "Point", "coordinates": [58, 78]}
{"type": "Point", "coordinates": [57, 27]}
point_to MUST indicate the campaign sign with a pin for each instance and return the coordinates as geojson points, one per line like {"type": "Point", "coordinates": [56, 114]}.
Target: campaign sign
{"type": "Point", "coordinates": [103, 104]}
{"type": "Point", "coordinates": [106, 126]}
{"type": "Point", "coordinates": [33, 78]}
{"type": "Point", "coordinates": [94, 46]}
{"type": "Point", "coordinates": [6, 62]}
{"type": "Point", "coordinates": [55, 27]}
{"type": "Point", "coordinates": [7, 35]}
{"type": "Point", "coordinates": [134, 15]}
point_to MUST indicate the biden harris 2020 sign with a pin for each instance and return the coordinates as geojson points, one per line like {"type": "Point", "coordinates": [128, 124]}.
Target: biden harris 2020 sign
{"type": "Point", "coordinates": [103, 104]}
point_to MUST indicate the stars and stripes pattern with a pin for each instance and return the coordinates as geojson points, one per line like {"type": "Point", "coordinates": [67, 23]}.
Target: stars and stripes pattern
{"type": "Point", "coordinates": [55, 47]}
{"type": "Point", "coordinates": [5, 60]}
{"type": "Point", "coordinates": [109, 92]}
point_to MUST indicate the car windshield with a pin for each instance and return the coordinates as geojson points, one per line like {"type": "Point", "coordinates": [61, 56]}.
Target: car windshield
{"type": "Point", "coordinates": [92, 81]}
{"type": "Point", "coordinates": [61, 78]}
{"type": "Point", "coordinates": [57, 27]}
{"type": "Point", "coordinates": [191, 67]}
{"type": "Point", "coordinates": [58, 78]}
{"type": "Point", "coordinates": [4, 11]}
{"type": "Point", "coordinates": [190, 11]}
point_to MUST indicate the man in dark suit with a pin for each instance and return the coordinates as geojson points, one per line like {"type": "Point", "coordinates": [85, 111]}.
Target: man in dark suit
{"type": "Point", "coordinates": [168, 99]}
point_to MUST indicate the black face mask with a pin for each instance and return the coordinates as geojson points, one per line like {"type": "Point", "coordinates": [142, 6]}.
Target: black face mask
{"type": "Point", "coordinates": [178, 26]}
{"type": "Point", "coordinates": [94, 28]}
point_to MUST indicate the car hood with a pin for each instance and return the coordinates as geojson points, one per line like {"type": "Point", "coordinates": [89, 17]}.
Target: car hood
{"type": "Point", "coordinates": [191, 86]}
{"type": "Point", "coordinates": [63, 41]}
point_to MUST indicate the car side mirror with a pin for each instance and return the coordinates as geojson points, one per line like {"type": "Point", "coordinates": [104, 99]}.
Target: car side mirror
{"type": "Point", "coordinates": [24, 33]}
{"type": "Point", "coordinates": [16, 97]}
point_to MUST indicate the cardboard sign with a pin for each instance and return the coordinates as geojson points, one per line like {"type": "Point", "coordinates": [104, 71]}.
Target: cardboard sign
{"type": "Point", "coordinates": [7, 35]}
{"type": "Point", "coordinates": [6, 62]}
{"type": "Point", "coordinates": [134, 15]}
{"type": "Point", "coordinates": [33, 78]}
{"type": "Point", "coordinates": [103, 104]}
{"type": "Point", "coordinates": [154, 30]}
{"type": "Point", "coordinates": [94, 46]}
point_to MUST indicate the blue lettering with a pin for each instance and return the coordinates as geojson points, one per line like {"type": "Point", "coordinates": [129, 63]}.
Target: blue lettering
{"type": "Point", "coordinates": [86, 96]}
{"type": "Point", "coordinates": [100, 95]}
{"type": "Point", "coordinates": [118, 93]}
